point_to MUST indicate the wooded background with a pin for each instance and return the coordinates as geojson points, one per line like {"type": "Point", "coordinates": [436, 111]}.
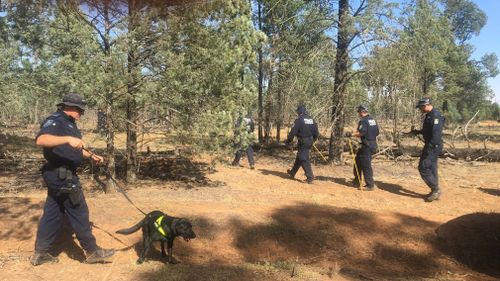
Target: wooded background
{"type": "Point", "coordinates": [191, 67]}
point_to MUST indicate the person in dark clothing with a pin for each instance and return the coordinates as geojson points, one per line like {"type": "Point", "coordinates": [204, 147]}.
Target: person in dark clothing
{"type": "Point", "coordinates": [368, 131]}
{"type": "Point", "coordinates": [432, 131]}
{"type": "Point", "coordinates": [307, 133]}
{"type": "Point", "coordinates": [244, 135]}
{"type": "Point", "coordinates": [63, 149]}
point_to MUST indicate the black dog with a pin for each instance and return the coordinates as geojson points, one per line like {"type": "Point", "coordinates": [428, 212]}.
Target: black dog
{"type": "Point", "coordinates": [157, 226]}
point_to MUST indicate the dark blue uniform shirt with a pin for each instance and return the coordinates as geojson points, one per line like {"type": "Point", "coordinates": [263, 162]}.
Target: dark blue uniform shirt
{"type": "Point", "coordinates": [432, 130]}
{"type": "Point", "coordinates": [60, 124]}
{"type": "Point", "coordinates": [368, 128]}
{"type": "Point", "coordinates": [303, 127]}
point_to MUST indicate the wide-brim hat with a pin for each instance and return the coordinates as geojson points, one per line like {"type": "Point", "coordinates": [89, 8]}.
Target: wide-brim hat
{"type": "Point", "coordinates": [74, 99]}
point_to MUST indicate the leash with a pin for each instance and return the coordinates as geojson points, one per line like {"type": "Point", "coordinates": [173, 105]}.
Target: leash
{"type": "Point", "coordinates": [355, 165]}
{"type": "Point", "coordinates": [119, 188]}
{"type": "Point", "coordinates": [110, 234]}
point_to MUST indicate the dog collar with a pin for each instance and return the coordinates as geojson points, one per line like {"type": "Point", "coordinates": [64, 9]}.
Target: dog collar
{"type": "Point", "coordinates": [158, 226]}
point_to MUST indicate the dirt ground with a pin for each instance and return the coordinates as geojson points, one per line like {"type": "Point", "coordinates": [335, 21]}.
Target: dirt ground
{"type": "Point", "coordinates": [260, 225]}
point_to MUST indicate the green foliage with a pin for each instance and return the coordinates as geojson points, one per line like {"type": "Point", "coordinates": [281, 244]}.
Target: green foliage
{"type": "Point", "coordinates": [195, 66]}
{"type": "Point", "coordinates": [212, 133]}
{"type": "Point", "coordinates": [465, 17]}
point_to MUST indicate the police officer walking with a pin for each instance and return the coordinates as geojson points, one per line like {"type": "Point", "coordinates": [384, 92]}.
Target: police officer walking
{"type": "Point", "coordinates": [368, 131]}
{"type": "Point", "coordinates": [244, 134]}
{"type": "Point", "coordinates": [432, 131]}
{"type": "Point", "coordinates": [307, 133]}
{"type": "Point", "coordinates": [63, 149]}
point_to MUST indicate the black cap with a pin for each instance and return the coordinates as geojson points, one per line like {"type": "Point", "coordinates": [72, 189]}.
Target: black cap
{"type": "Point", "coordinates": [423, 101]}
{"type": "Point", "coordinates": [73, 99]}
{"type": "Point", "coordinates": [301, 109]}
{"type": "Point", "coordinates": [362, 108]}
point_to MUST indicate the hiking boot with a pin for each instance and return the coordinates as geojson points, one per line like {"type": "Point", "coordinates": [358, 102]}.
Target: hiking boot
{"type": "Point", "coordinates": [289, 173]}
{"type": "Point", "coordinates": [252, 167]}
{"type": "Point", "coordinates": [309, 181]}
{"type": "Point", "coordinates": [433, 196]}
{"type": "Point", "coordinates": [356, 184]}
{"type": "Point", "coordinates": [370, 188]}
{"type": "Point", "coordinates": [99, 255]}
{"type": "Point", "coordinates": [40, 258]}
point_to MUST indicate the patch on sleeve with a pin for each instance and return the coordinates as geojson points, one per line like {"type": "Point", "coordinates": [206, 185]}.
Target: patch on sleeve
{"type": "Point", "coordinates": [372, 122]}
{"type": "Point", "coordinates": [436, 121]}
{"type": "Point", "coordinates": [360, 127]}
{"type": "Point", "coordinates": [308, 121]}
{"type": "Point", "coordinates": [48, 123]}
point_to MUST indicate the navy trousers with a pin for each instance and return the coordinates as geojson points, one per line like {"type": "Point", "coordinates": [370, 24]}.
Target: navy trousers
{"type": "Point", "coordinates": [364, 164]}
{"type": "Point", "coordinates": [428, 166]}
{"type": "Point", "coordinates": [52, 219]}
{"type": "Point", "coordinates": [302, 159]}
{"type": "Point", "coordinates": [249, 152]}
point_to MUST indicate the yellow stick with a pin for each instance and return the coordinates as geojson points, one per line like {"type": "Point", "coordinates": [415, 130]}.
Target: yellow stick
{"type": "Point", "coordinates": [355, 165]}
{"type": "Point", "coordinates": [319, 152]}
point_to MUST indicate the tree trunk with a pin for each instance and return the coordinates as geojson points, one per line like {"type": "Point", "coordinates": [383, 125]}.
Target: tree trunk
{"type": "Point", "coordinates": [261, 80]}
{"type": "Point", "coordinates": [279, 114]}
{"type": "Point", "coordinates": [110, 126]}
{"type": "Point", "coordinates": [269, 105]}
{"type": "Point", "coordinates": [131, 166]}
{"type": "Point", "coordinates": [339, 86]}
{"type": "Point", "coordinates": [110, 146]}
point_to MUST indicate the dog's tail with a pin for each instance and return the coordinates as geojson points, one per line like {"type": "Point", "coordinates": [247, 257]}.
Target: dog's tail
{"type": "Point", "coordinates": [130, 230]}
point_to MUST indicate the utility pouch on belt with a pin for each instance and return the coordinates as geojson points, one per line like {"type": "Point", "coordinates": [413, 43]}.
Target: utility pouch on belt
{"type": "Point", "coordinates": [74, 192]}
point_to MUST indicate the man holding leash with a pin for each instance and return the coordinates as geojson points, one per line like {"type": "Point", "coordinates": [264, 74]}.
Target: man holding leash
{"type": "Point", "coordinates": [307, 133]}
{"type": "Point", "coordinates": [63, 149]}
{"type": "Point", "coordinates": [432, 131]}
{"type": "Point", "coordinates": [367, 131]}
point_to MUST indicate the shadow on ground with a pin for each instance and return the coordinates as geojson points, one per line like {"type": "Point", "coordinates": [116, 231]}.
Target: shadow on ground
{"type": "Point", "coordinates": [329, 241]}
{"type": "Point", "coordinates": [398, 189]}
{"type": "Point", "coordinates": [490, 191]}
{"type": "Point", "coordinates": [473, 240]}
{"type": "Point", "coordinates": [341, 181]}
{"type": "Point", "coordinates": [18, 218]}
{"type": "Point", "coordinates": [363, 244]}
{"type": "Point", "coordinates": [280, 174]}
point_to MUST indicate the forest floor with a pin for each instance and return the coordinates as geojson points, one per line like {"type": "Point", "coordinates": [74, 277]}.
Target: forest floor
{"type": "Point", "coordinates": [261, 225]}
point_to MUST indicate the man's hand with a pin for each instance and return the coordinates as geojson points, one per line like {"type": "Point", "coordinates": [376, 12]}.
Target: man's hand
{"type": "Point", "coordinates": [348, 134]}
{"type": "Point", "coordinates": [414, 131]}
{"type": "Point", "coordinates": [76, 143]}
{"type": "Point", "coordinates": [97, 159]}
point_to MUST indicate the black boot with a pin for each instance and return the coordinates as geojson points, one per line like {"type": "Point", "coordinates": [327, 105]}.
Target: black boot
{"type": "Point", "coordinates": [289, 172]}
{"type": "Point", "coordinates": [40, 258]}
{"type": "Point", "coordinates": [99, 255]}
{"type": "Point", "coordinates": [355, 183]}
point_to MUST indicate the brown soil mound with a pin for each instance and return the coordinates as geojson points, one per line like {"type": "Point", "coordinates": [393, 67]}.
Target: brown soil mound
{"type": "Point", "coordinates": [473, 240]}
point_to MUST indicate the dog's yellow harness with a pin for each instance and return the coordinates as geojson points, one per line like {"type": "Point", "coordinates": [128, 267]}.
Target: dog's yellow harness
{"type": "Point", "coordinates": [158, 226]}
